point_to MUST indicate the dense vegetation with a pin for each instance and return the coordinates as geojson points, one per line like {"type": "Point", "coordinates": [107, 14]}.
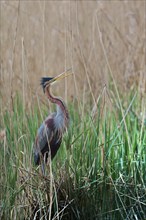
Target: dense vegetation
{"type": "Point", "coordinates": [98, 173]}
{"type": "Point", "coordinates": [100, 169]}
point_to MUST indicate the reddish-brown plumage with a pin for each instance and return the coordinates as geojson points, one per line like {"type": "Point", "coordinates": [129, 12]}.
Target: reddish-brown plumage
{"type": "Point", "coordinates": [50, 133]}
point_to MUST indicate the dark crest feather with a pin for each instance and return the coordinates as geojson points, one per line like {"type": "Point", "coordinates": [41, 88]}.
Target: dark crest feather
{"type": "Point", "coordinates": [44, 80]}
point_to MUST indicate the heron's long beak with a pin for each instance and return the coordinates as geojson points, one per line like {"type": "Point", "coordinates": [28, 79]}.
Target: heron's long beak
{"type": "Point", "coordinates": [46, 81]}
{"type": "Point", "coordinates": [59, 77]}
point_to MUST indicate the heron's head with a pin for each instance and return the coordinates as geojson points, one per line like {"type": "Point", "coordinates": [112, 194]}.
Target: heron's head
{"type": "Point", "coordinates": [45, 81]}
{"type": "Point", "coordinates": [48, 81]}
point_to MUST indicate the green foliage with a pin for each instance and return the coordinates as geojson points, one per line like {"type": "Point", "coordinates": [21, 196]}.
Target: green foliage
{"type": "Point", "coordinates": [98, 173]}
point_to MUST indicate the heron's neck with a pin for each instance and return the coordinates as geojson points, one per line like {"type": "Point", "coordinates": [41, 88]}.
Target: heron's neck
{"type": "Point", "coordinates": [62, 116]}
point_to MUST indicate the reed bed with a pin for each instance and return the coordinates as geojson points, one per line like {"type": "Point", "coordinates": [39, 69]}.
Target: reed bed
{"type": "Point", "coordinates": [98, 173]}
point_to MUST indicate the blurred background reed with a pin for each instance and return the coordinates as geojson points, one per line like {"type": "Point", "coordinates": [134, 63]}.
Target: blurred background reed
{"type": "Point", "coordinates": [99, 171]}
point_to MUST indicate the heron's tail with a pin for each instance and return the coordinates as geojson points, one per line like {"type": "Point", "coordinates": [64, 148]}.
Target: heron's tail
{"type": "Point", "coordinates": [36, 159]}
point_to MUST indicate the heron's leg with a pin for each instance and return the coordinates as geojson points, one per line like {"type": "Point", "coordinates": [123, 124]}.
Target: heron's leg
{"type": "Point", "coordinates": [43, 167]}
{"type": "Point", "coordinates": [43, 163]}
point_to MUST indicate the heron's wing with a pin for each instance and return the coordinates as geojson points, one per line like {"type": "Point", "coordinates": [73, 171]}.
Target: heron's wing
{"type": "Point", "coordinates": [43, 138]}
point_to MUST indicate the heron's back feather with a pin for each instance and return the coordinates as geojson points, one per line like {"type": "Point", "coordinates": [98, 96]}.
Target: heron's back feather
{"type": "Point", "coordinates": [48, 140]}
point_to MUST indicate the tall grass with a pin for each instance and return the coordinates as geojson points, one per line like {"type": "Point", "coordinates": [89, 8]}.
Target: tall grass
{"type": "Point", "coordinates": [98, 173]}
{"type": "Point", "coordinates": [100, 169]}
